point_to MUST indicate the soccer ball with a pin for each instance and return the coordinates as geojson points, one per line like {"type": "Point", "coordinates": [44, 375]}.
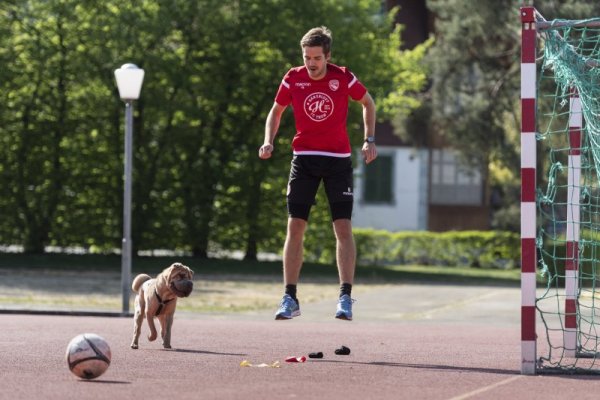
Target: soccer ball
{"type": "Point", "coordinates": [88, 355]}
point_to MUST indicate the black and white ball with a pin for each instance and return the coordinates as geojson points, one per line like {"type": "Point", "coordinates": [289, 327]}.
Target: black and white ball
{"type": "Point", "coordinates": [88, 355]}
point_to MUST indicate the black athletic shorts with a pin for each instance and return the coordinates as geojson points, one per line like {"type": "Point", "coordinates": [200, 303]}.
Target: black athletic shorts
{"type": "Point", "coordinates": [306, 174]}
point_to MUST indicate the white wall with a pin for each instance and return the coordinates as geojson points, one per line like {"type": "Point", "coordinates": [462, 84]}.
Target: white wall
{"type": "Point", "coordinates": [408, 210]}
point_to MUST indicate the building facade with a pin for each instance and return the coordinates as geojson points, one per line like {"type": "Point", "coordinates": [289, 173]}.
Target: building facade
{"type": "Point", "coordinates": [421, 187]}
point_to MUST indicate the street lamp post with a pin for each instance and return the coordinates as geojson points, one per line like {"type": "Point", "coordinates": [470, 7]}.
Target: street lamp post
{"type": "Point", "coordinates": [129, 81]}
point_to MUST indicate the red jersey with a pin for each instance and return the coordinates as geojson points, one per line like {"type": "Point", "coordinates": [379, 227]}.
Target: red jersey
{"type": "Point", "coordinates": [320, 109]}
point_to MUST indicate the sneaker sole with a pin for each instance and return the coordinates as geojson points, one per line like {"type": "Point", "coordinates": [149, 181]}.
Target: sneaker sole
{"type": "Point", "coordinates": [279, 317]}
{"type": "Point", "coordinates": [343, 317]}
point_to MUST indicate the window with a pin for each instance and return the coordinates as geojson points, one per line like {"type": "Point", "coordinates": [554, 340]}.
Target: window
{"type": "Point", "coordinates": [453, 183]}
{"type": "Point", "coordinates": [378, 186]}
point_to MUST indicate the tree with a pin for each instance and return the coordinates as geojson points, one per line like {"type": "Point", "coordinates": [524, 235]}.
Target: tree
{"type": "Point", "coordinates": [37, 116]}
{"type": "Point", "coordinates": [473, 101]}
{"type": "Point", "coordinates": [363, 38]}
{"type": "Point", "coordinates": [229, 194]}
{"type": "Point", "coordinates": [212, 70]}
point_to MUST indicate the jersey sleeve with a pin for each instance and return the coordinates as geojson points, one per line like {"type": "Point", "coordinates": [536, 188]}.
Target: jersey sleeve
{"type": "Point", "coordinates": [284, 95]}
{"type": "Point", "coordinates": [356, 89]}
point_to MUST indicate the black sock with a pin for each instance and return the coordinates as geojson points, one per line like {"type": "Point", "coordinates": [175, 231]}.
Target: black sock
{"type": "Point", "coordinates": [291, 290]}
{"type": "Point", "coordinates": [346, 288]}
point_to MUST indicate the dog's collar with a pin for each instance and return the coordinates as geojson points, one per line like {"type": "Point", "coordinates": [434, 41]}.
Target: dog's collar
{"type": "Point", "coordinates": [161, 303]}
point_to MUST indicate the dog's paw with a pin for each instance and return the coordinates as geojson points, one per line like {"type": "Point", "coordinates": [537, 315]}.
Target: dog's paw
{"type": "Point", "coordinates": [134, 345]}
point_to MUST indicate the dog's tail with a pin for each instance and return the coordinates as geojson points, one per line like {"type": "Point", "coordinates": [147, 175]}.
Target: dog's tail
{"type": "Point", "coordinates": [139, 281]}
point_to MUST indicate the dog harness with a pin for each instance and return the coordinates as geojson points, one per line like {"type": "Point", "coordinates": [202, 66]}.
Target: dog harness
{"type": "Point", "coordinates": [161, 303]}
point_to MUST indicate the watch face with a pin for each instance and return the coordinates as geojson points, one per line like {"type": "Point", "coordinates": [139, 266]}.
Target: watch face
{"type": "Point", "coordinates": [370, 139]}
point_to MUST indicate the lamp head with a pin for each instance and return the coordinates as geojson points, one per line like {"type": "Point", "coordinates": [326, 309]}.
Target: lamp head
{"type": "Point", "coordinates": [129, 81]}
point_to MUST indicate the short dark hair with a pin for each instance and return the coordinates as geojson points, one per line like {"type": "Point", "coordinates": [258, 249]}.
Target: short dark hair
{"type": "Point", "coordinates": [316, 37]}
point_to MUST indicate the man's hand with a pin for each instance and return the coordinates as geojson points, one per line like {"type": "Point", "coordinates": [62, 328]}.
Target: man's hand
{"type": "Point", "coordinates": [369, 152]}
{"type": "Point", "coordinates": [265, 151]}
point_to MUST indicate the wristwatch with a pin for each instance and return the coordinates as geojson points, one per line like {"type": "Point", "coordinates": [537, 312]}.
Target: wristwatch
{"type": "Point", "coordinates": [370, 139]}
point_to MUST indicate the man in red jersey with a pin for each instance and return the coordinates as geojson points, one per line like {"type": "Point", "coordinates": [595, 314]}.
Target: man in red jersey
{"type": "Point", "coordinates": [318, 93]}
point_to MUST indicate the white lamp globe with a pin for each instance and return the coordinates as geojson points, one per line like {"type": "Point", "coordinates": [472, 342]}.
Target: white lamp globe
{"type": "Point", "coordinates": [129, 81]}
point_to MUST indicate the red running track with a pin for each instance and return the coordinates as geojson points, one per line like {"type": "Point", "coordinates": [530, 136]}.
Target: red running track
{"type": "Point", "coordinates": [389, 360]}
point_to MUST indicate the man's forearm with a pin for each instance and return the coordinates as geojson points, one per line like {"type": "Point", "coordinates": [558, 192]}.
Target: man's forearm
{"type": "Point", "coordinates": [369, 117]}
{"type": "Point", "coordinates": [271, 127]}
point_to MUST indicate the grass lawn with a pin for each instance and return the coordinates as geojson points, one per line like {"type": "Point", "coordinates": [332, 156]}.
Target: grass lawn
{"type": "Point", "coordinates": [93, 282]}
{"type": "Point", "coordinates": [252, 269]}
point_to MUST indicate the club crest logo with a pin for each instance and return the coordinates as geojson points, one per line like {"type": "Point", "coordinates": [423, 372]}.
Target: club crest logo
{"type": "Point", "coordinates": [334, 84]}
{"type": "Point", "coordinates": [318, 106]}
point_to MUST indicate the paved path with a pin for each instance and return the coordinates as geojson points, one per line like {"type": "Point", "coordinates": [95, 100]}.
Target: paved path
{"type": "Point", "coordinates": [415, 302]}
{"type": "Point", "coordinates": [439, 303]}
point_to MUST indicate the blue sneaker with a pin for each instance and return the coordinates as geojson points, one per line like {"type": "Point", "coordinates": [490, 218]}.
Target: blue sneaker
{"type": "Point", "coordinates": [344, 308]}
{"type": "Point", "coordinates": [288, 308]}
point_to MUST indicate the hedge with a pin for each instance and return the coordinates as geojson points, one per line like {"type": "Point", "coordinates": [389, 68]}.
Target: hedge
{"type": "Point", "coordinates": [483, 249]}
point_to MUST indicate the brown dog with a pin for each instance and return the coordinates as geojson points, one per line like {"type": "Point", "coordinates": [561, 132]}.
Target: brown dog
{"type": "Point", "coordinates": [158, 298]}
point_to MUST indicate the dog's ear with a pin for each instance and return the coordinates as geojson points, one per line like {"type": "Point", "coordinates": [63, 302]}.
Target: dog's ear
{"type": "Point", "coordinates": [165, 276]}
{"type": "Point", "coordinates": [170, 272]}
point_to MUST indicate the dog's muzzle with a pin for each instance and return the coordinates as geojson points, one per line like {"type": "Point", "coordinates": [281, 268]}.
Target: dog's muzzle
{"type": "Point", "coordinates": [182, 288]}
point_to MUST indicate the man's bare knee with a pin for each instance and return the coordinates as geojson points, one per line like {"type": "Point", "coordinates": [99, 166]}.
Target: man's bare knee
{"type": "Point", "coordinates": [343, 229]}
{"type": "Point", "coordinates": [296, 228]}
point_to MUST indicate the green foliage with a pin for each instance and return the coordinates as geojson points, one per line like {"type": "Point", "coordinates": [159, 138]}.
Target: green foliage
{"type": "Point", "coordinates": [212, 71]}
{"type": "Point", "coordinates": [473, 101]}
{"type": "Point", "coordinates": [50, 124]}
{"type": "Point", "coordinates": [568, 9]}
{"type": "Point", "coordinates": [483, 249]}
{"type": "Point", "coordinates": [474, 65]}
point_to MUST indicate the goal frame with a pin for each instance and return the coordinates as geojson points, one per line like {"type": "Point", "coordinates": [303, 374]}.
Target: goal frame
{"type": "Point", "coordinates": [531, 23]}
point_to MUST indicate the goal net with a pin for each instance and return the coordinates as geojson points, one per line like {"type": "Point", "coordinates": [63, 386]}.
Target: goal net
{"type": "Point", "coordinates": [560, 201]}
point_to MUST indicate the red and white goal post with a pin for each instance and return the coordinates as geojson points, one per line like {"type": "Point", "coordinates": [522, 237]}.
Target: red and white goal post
{"type": "Point", "coordinates": [532, 24]}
